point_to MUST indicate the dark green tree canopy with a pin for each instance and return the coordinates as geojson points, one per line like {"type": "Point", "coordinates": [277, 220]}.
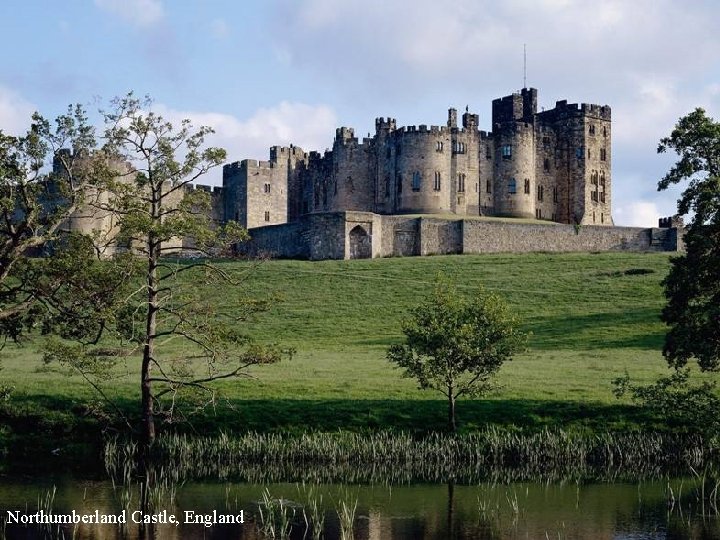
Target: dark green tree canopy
{"type": "Point", "coordinates": [692, 287]}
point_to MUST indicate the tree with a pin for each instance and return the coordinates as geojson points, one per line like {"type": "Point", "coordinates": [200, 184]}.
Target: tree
{"type": "Point", "coordinates": [455, 344]}
{"type": "Point", "coordinates": [156, 211]}
{"type": "Point", "coordinates": [46, 177]}
{"type": "Point", "coordinates": [692, 287]}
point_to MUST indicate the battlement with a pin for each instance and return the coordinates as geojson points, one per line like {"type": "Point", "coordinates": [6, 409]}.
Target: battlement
{"type": "Point", "coordinates": [387, 124]}
{"type": "Point", "coordinates": [286, 152]}
{"type": "Point", "coordinates": [671, 222]}
{"type": "Point", "coordinates": [344, 134]}
{"type": "Point", "coordinates": [517, 106]}
{"type": "Point", "coordinates": [600, 111]}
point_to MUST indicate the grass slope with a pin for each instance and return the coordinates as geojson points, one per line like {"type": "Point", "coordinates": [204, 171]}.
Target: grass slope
{"type": "Point", "coordinates": [592, 316]}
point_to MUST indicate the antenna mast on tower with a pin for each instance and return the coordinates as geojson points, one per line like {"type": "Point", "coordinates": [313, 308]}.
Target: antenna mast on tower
{"type": "Point", "coordinates": [524, 65]}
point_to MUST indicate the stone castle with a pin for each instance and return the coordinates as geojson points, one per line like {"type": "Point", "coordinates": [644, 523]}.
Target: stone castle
{"type": "Point", "coordinates": [421, 190]}
{"type": "Point", "coordinates": [552, 165]}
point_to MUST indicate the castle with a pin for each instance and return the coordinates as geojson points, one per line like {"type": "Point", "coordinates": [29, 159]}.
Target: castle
{"type": "Point", "coordinates": [552, 165]}
{"type": "Point", "coordinates": [420, 190]}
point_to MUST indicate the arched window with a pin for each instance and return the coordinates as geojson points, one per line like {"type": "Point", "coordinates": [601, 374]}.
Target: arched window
{"type": "Point", "coordinates": [437, 184]}
{"type": "Point", "coordinates": [461, 183]}
{"type": "Point", "coordinates": [512, 186]}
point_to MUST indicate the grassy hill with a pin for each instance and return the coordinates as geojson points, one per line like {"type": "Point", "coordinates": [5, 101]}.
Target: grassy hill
{"type": "Point", "coordinates": [592, 316]}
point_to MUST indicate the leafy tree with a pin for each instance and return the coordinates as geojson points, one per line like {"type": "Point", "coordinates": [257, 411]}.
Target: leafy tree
{"type": "Point", "coordinates": [692, 287]}
{"type": "Point", "coordinates": [46, 177]}
{"type": "Point", "coordinates": [455, 344]}
{"type": "Point", "coordinates": [156, 211]}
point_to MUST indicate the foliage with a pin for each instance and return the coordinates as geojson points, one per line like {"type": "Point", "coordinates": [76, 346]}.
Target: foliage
{"type": "Point", "coordinates": [456, 345]}
{"type": "Point", "coordinates": [677, 400]}
{"type": "Point", "coordinates": [692, 287]}
{"type": "Point", "coordinates": [157, 211]}
{"type": "Point", "coordinates": [46, 177]}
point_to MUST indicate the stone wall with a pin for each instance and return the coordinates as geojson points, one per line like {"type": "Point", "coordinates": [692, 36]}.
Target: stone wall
{"type": "Point", "coordinates": [345, 235]}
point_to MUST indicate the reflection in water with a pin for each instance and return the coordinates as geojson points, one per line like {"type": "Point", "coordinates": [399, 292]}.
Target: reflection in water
{"type": "Point", "coordinates": [425, 511]}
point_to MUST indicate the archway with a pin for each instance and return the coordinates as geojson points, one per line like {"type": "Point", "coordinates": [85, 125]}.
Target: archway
{"type": "Point", "coordinates": [360, 243]}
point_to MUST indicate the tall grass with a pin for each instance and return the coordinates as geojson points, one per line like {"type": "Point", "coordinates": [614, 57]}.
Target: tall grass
{"type": "Point", "coordinates": [398, 457]}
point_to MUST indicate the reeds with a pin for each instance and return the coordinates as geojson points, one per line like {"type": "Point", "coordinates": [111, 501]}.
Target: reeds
{"type": "Point", "coordinates": [399, 457]}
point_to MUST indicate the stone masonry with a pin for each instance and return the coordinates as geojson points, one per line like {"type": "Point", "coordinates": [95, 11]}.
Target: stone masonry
{"type": "Point", "coordinates": [552, 165]}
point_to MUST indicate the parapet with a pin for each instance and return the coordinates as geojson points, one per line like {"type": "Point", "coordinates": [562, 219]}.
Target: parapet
{"type": "Point", "coordinates": [671, 222]}
{"type": "Point", "coordinates": [601, 111]}
{"type": "Point", "coordinates": [388, 124]}
{"type": "Point", "coordinates": [344, 134]}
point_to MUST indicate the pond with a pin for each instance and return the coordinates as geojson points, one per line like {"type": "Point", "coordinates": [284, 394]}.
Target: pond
{"type": "Point", "coordinates": [667, 508]}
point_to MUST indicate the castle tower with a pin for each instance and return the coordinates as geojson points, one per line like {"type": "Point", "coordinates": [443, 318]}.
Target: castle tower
{"type": "Point", "coordinates": [515, 190]}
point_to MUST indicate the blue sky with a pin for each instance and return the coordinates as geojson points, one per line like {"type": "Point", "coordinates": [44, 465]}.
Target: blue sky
{"type": "Point", "coordinates": [290, 71]}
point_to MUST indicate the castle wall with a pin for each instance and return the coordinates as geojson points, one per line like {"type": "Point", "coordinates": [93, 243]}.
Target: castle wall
{"type": "Point", "coordinates": [344, 235]}
{"type": "Point", "coordinates": [484, 237]}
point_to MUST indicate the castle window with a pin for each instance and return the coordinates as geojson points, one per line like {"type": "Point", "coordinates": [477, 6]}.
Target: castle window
{"type": "Point", "coordinates": [506, 151]}
{"type": "Point", "coordinates": [335, 187]}
{"type": "Point", "coordinates": [439, 146]}
{"type": "Point", "coordinates": [399, 183]}
{"type": "Point", "coordinates": [555, 196]}
{"type": "Point", "coordinates": [604, 132]}
{"type": "Point", "coordinates": [437, 185]}
{"type": "Point", "coordinates": [267, 215]}
{"type": "Point", "coordinates": [266, 188]}
{"type": "Point", "coordinates": [538, 213]}
{"type": "Point", "coordinates": [546, 164]}
{"type": "Point", "coordinates": [603, 154]}
{"type": "Point", "coordinates": [592, 129]}
{"type": "Point", "coordinates": [589, 155]}
{"type": "Point", "coordinates": [546, 139]}
{"type": "Point", "coordinates": [540, 193]}
{"type": "Point", "coordinates": [602, 218]}
{"type": "Point", "coordinates": [488, 155]}
{"type": "Point", "coordinates": [476, 187]}
{"type": "Point", "coordinates": [512, 186]}
{"type": "Point", "coordinates": [488, 186]}
{"type": "Point", "coordinates": [579, 152]}
{"type": "Point", "coordinates": [527, 186]}
{"type": "Point", "coordinates": [593, 217]}
{"type": "Point", "coordinates": [461, 183]}
{"type": "Point", "coordinates": [602, 180]}
{"type": "Point", "coordinates": [416, 179]}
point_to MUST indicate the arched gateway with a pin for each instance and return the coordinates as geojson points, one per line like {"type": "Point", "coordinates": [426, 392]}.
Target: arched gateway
{"type": "Point", "coordinates": [360, 243]}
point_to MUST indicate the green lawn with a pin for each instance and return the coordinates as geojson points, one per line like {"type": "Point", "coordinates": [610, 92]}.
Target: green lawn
{"type": "Point", "coordinates": [590, 321]}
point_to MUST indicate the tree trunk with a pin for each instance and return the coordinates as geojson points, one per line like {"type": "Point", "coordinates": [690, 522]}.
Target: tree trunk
{"type": "Point", "coordinates": [148, 420]}
{"type": "Point", "coordinates": [451, 412]}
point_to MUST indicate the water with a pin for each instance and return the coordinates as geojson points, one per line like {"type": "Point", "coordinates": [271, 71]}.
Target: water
{"type": "Point", "coordinates": [427, 511]}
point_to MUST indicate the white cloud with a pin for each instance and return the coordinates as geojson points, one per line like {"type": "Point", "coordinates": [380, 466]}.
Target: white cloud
{"type": "Point", "coordinates": [637, 214]}
{"type": "Point", "coordinates": [136, 12]}
{"type": "Point", "coordinates": [15, 112]}
{"type": "Point", "coordinates": [310, 127]}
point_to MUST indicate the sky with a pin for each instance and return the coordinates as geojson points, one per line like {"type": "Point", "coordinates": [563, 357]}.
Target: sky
{"type": "Point", "coordinates": [267, 72]}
